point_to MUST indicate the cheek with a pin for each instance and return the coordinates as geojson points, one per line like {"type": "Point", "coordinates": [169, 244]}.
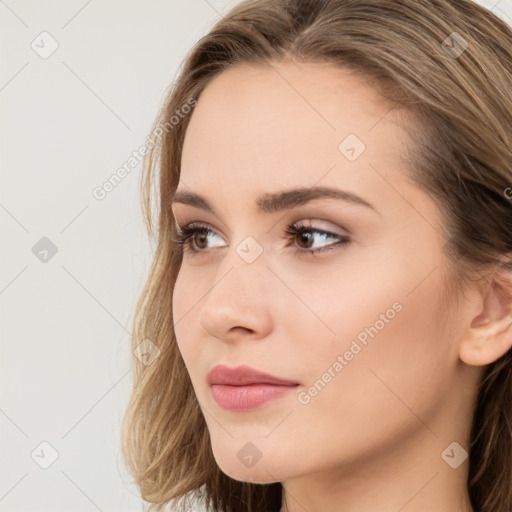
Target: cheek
{"type": "Point", "coordinates": [178, 301]}
{"type": "Point", "coordinates": [386, 306]}
{"type": "Point", "coordinates": [392, 354]}
{"type": "Point", "coordinates": [184, 301]}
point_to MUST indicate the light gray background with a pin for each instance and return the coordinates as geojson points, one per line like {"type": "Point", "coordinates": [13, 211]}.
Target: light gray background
{"type": "Point", "coordinates": [68, 123]}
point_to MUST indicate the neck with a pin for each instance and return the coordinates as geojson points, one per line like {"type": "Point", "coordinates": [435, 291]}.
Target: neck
{"type": "Point", "coordinates": [410, 476]}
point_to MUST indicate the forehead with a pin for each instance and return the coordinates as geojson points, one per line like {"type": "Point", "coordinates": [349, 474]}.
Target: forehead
{"type": "Point", "coordinates": [262, 127]}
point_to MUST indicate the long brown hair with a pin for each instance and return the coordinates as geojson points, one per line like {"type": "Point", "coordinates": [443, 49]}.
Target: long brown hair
{"type": "Point", "coordinates": [461, 102]}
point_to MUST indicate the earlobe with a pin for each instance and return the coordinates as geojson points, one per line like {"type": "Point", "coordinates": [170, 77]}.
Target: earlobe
{"type": "Point", "coordinates": [489, 336]}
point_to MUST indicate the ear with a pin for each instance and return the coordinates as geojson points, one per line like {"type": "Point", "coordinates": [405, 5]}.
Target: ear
{"type": "Point", "coordinates": [490, 335]}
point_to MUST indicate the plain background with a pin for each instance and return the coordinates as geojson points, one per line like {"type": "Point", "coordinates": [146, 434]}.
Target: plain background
{"type": "Point", "coordinates": [68, 123]}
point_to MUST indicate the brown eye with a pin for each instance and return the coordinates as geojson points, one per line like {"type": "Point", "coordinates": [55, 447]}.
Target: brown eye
{"type": "Point", "coordinates": [187, 239]}
{"type": "Point", "coordinates": [201, 239]}
{"type": "Point", "coordinates": [306, 239]}
{"type": "Point", "coordinates": [194, 238]}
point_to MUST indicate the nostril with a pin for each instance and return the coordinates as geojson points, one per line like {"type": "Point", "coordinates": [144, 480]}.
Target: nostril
{"type": "Point", "coordinates": [243, 329]}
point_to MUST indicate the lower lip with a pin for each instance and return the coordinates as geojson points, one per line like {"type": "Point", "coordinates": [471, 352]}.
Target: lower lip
{"type": "Point", "coordinates": [245, 398]}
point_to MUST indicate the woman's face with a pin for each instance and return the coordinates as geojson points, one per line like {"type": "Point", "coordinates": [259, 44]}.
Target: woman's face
{"type": "Point", "coordinates": [366, 329]}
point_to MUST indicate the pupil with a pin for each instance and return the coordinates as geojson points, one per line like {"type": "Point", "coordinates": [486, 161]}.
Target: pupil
{"type": "Point", "coordinates": [306, 237]}
{"type": "Point", "coordinates": [202, 238]}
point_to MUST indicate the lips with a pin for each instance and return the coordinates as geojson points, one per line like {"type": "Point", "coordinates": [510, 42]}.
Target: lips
{"type": "Point", "coordinates": [244, 388]}
{"type": "Point", "coordinates": [244, 376]}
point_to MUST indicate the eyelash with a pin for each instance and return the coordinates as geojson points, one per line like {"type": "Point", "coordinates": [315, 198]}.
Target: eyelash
{"type": "Point", "coordinates": [186, 233]}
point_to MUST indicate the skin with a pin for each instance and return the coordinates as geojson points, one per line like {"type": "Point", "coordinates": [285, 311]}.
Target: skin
{"type": "Point", "coordinates": [372, 438]}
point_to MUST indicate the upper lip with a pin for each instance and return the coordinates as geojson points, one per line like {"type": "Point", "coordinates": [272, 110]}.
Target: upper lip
{"type": "Point", "coordinates": [243, 376]}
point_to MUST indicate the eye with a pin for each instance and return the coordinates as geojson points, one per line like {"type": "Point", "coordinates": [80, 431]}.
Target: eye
{"type": "Point", "coordinates": [306, 234]}
{"type": "Point", "coordinates": [186, 237]}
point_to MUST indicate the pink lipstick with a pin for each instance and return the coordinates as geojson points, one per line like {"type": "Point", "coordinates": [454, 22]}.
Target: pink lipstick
{"type": "Point", "coordinates": [244, 388]}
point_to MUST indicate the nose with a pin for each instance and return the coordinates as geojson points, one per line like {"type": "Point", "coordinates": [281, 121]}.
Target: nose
{"type": "Point", "coordinates": [239, 301]}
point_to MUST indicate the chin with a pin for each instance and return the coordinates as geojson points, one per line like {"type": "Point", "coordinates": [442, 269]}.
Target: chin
{"type": "Point", "coordinates": [252, 476]}
{"type": "Point", "coordinates": [237, 465]}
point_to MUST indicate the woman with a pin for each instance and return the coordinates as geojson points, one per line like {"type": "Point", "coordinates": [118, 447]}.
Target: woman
{"type": "Point", "coordinates": [330, 302]}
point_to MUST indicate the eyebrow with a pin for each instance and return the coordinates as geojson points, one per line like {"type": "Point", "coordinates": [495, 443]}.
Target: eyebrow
{"type": "Point", "coordinates": [278, 201]}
